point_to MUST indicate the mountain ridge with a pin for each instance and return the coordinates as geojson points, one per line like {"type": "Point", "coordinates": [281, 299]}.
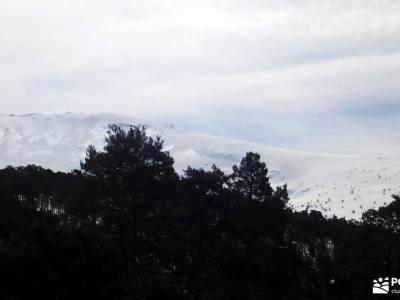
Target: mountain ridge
{"type": "Point", "coordinates": [336, 184]}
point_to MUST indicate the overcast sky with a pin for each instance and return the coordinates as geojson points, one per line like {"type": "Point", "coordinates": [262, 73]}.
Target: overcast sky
{"type": "Point", "coordinates": [292, 73]}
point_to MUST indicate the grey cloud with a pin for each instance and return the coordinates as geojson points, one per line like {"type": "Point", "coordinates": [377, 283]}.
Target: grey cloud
{"type": "Point", "coordinates": [202, 60]}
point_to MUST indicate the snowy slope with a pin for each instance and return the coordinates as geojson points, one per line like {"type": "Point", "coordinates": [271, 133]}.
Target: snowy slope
{"type": "Point", "coordinates": [334, 184]}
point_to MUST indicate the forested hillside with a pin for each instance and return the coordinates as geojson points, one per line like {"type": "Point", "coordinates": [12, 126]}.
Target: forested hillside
{"type": "Point", "coordinates": [127, 226]}
{"type": "Point", "coordinates": [345, 185]}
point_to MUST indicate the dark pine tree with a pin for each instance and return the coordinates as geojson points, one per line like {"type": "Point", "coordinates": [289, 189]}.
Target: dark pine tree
{"type": "Point", "coordinates": [250, 178]}
{"type": "Point", "coordinates": [132, 163]}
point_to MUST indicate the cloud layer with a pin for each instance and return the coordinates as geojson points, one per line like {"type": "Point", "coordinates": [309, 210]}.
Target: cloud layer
{"type": "Point", "coordinates": [228, 66]}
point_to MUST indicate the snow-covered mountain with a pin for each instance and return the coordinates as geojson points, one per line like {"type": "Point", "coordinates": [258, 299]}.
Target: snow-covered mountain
{"type": "Point", "coordinates": [334, 184]}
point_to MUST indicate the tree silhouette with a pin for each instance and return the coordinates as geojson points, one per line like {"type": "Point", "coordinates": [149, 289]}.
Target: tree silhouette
{"type": "Point", "coordinates": [205, 182]}
{"type": "Point", "coordinates": [281, 194]}
{"type": "Point", "coordinates": [250, 178]}
{"type": "Point", "coordinates": [132, 162]}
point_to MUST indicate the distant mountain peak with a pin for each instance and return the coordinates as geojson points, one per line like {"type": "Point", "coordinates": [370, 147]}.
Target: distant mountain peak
{"type": "Point", "coordinates": [334, 184]}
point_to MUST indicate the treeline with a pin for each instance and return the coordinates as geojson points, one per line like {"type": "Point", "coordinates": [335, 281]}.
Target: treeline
{"type": "Point", "coordinates": [126, 226]}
